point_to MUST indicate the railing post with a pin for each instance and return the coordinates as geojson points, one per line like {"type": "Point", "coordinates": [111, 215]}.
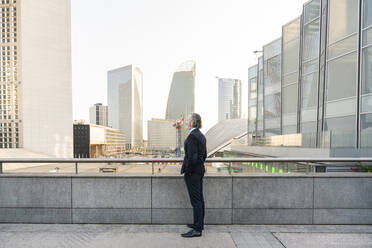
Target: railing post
{"type": "Point", "coordinates": [229, 168]}
{"type": "Point", "coordinates": [76, 168]}
{"type": "Point", "coordinates": [307, 167]}
{"type": "Point", "coordinates": [152, 168]}
{"type": "Point", "coordinates": [1, 167]}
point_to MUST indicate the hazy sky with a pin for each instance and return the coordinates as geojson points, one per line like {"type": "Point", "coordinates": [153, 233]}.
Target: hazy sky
{"type": "Point", "coordinates": [157, 36]}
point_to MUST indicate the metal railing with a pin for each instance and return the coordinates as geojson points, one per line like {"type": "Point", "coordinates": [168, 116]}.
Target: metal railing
{"type": "Point", "coordinates": [308, 162]}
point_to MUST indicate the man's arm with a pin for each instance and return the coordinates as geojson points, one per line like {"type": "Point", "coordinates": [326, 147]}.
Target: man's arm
{"type": "Point", "coordinates": [192, 148]}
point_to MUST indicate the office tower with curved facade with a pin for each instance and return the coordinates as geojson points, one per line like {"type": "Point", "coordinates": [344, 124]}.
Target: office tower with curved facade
{"type": "Point", "coordinates": [125, 104]}
{"type": "Point", "coordinates": [181, 99]}
{"type": "Point", "coordinates": [35, 76]}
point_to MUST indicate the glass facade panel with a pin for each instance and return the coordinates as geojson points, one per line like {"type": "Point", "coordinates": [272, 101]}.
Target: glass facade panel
{"type": "Point", "coordinates": [290, 73]}
{"type": "Point", "coordinates": [290, 56]}
{"type": "Point", "coordinates": [272, 88]}
{"type": "Point", "coordinates": [342, 131]}
{"type": "Point", "coordinates": [310, 66]}
{"type": "Point", "coordinates": [252, 99]}
{"type": "Point", "coordinates": [310, 90]}
{"type": "Point", "coordinates": [290, 78]}
{"type": "Point", "coordinates": [260, 98]}
{"type": "Point", "coordinates": [367, 36]}
{"type": "Point", "coordinates": [344, 46]}
{"type": "Point", "coordinates": [366, 130]}
{"type": "Point", "coordinates": [311, 10]}
{"type": "Point", "coordinates": [342, 77]}
{"type": "Point", "coordinates": [311, 41]}
{"type": "Point", "coordinates": [367, 70]}
{"type": "Point", "coordinates": [366, 104]}
{"type": "Point", "coordinates": [290, 100]}
{"type": "Point", "coordinates": [367, 13]}
{"type": "Point", "coordinates": [343, 19]}
{"type": "Point", "coordinates": [309, 78]}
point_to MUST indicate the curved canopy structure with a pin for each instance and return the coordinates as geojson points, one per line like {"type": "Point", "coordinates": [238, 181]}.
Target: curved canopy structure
{"type": "Point", "coordinates": [221, 134]}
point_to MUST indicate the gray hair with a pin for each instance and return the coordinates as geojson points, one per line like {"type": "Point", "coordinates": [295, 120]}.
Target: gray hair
{"type": "Point", "coordinates": [196, 120]}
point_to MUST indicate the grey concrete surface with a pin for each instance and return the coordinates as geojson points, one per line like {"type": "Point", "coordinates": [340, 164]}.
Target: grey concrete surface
{"type": "Point", "coordinates": [273, 192]}
{"type": "Point", "coordinates": [35, 192]}
{"type": "Point", "coordinates": [342, 193]}
{"type": "Point", "coordinates": [242, 199]}
{"type": "Point", "coordinates": [272, 216]}
{"type": "Point", "coordinates": [111, 193]}
{"type": "Point", "coordinates": [325, 240]}
{"type": "Point", "coordinates": [138, 236]}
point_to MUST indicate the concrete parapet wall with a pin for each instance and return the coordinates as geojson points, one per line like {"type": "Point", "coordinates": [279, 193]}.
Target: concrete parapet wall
{"type": "Point", "coordinates": [238, 199]}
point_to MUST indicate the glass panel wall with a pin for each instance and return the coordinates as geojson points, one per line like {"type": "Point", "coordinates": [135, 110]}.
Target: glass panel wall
{"type": "Point", "coordinates": [310, 72]}
{"type": "Point", "coordinates": [260, 88]}
{"type": "Point", "coordinates": [321, 137]}
{"type": "Point", "coordinates": [290, 74]}
{"type": "Point", "coordinates": [366, 77]}
{"type": "Point", "coordinates": [342, 73]}
{"type": "Point", "coordinates": [272, 88]}
{"type": "Point", "coordinates": [252, 99]}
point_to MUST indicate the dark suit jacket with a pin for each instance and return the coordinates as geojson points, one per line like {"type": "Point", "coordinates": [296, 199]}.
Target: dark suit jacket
{"type": "Point", "coordinates": [195, 153]}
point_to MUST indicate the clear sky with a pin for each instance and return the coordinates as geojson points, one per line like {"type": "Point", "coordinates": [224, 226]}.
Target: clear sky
{"type": "Point", "coordinates": [157, 36]}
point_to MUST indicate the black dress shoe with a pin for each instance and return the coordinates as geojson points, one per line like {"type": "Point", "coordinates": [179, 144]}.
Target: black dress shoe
{"type": "Point", "coordinates": [192, 233]}
{"type": "Point", "coordinates": [192, 226]}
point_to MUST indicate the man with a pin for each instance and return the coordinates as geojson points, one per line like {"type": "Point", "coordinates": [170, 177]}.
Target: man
{"type": "Point", "coordinates": [193, 168]}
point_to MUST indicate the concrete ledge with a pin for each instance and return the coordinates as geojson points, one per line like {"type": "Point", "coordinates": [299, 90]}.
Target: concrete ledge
{"type": "Point", "coordinates": [35, 215]}
{"type": "Point", "coordinates": [238, 199]}
{"type": "Point", "coordinates": [111, 193]}
{"type": "Point", "coordinates": [35, 192]}
{"type": "Point", "coordinates": [342, 193]}
{"type": "Point", "coordinates": [273, 192]}
{"type": "Point", "coordinates": [115, 216]}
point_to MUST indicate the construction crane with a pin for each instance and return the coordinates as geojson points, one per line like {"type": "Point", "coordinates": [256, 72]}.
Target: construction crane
{"type": "Point", "coordinates": [178, 124]}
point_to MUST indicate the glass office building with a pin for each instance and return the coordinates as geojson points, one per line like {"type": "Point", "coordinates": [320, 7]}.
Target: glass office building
{"type": "Point", "coordinates": [325, 78]}
{"type": "Point", "coordinates": [229, 99]}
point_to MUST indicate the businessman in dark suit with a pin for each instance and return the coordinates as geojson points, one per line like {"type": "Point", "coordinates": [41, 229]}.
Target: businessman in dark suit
{"type": "Point", "coordinates": [193, 168]}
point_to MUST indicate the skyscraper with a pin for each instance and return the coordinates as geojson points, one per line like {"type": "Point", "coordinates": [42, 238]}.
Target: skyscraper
{"type": "Point", "coordinates": [35, 76]}
{"type": "Point", "coordinates": [98, 114]}
{"type": "Point", "coordinates": [229, 99]}
{"type": "Point", "coordinates": [181, 99]}
{"type": "Point", "coordinates": [125, 103]}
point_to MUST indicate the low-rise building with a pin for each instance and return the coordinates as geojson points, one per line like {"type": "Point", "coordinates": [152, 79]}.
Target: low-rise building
{"type": "Point", "coordinates": [94, 141]}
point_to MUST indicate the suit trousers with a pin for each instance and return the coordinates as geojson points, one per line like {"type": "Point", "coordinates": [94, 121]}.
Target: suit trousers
{"type": "Point", "coordinates": [194, 184]}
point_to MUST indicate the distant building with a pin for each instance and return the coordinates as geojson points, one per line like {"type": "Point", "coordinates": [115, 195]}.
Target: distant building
{"type": "Point", "coordinates": [181, 99]}
{"type": "Point", "coordinates": [229, 99]}
{"type": "Point", "coordinates": [94, 141]}
{"type": "Point", "coordinates": [98, 114]}
{"type": "Point", "coordinates": [125, 104]}
{"type": "Point", "coordinates": [35, 78]}
{"type": "Point", "coordinates": [161, 135]}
